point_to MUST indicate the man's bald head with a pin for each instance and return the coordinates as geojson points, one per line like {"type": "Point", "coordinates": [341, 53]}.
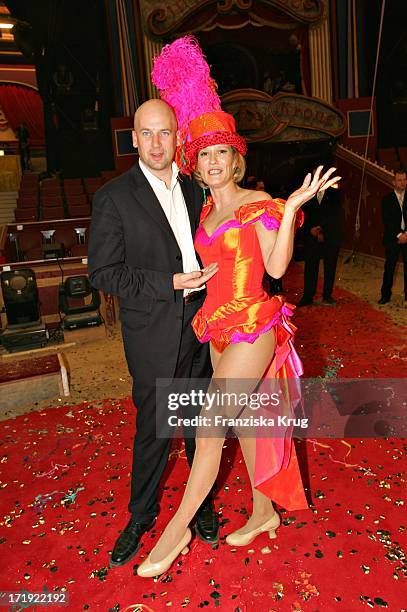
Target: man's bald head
{"type": "Point", "coordinates": [155, 136]}
{"type": "Point", "coordinates": [154, 108]}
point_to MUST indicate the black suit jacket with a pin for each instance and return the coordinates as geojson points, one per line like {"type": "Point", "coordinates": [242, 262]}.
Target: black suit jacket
{"type": "Point", "coordinates": [133, 254]}
{"type": "Point", "coordinates": [327, 215]}
{"type": "Point", "coordinates": [391, 217]}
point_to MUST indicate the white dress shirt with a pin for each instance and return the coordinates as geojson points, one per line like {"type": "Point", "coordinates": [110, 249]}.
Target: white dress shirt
{"type": "Point", "coordinates": [400, 198]}
{"type": "Point", "coordinates": [174, 207]}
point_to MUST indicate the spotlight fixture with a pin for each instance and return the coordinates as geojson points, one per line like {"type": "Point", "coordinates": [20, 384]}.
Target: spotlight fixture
{"type": "Point", "coordinates": [25, 329]}
{"type": "Point", "coordinates": [20, 296]}
{"type": "Point", "coordinates": [77, 313]}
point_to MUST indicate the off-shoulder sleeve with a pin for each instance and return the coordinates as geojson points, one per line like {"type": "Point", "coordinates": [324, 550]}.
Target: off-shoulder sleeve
{"type": "Point", "coordinates": [269, 212]}
{"type": "Point", "coordinates": [206, 209]}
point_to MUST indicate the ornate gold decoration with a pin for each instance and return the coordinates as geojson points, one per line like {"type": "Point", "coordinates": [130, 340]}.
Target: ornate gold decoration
{"type": "Point", "coordinates": [226, 6]}
{"type": "Point", "coordinates": [308, 114]}
{"type": "Point", "coordinates": [284, 117]}
{"type": "Point", "coordinates": [171, 18]}
{"type": "Point", "coordinates": [252, 112]}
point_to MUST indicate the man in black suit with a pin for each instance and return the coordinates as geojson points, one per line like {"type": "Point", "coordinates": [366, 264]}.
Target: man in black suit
{"type": "Point", "coordinates": [141, 249]}
{"type": "Point", "coordinates": [322, 237]}
{"type": "Point", "coordinates": [394, 216]}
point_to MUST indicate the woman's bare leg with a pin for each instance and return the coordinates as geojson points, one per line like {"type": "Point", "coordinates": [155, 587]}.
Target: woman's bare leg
{"type": "Point", "coordinates": [244, 362]}
{"type": "Point", "coordinates": [263, 508]}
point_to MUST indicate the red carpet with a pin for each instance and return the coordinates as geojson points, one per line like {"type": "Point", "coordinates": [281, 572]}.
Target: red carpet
{"type": "Point", "coordinates": [65, 482]}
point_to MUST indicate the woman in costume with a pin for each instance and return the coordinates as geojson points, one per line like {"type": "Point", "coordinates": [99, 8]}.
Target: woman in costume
{"type": "Point", "coordinates": [246, 232]}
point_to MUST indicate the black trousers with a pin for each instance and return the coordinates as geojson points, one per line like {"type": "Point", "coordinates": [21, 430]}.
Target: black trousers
{"type": "Point", "coordinates": [150, 453]}
{"type": "Point", "coordinates": [313, 253]}
{"type": "Point", "coordinates": [392, 254]}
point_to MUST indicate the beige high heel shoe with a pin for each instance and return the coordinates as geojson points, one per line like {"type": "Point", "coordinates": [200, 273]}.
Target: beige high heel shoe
{"type": "Point", "coordinates": [243, 539]}
{"type": "Point", "coordinates": [149, 569]}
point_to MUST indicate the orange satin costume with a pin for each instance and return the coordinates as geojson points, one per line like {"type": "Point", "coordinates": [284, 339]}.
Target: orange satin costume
{"type": "Point", "coordinates": [237, 309]}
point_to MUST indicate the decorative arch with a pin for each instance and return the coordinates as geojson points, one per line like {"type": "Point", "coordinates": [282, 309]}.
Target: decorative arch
{"type": "Point", "coordinates": [217, 20]}
{"type": "Point", "coordinates": [178, 17]}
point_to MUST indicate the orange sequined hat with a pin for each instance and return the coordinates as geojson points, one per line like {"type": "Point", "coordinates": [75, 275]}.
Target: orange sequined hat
{"type": "Point", "coordinates": [182, 76]}
{"type": "Point", "coordinates": [209, 129]}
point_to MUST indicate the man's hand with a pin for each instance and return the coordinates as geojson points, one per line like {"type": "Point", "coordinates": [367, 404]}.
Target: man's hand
{"type": "Point", "coordinates": [194, 280]}
{"type": "Point", "coordinates": [403, 238]}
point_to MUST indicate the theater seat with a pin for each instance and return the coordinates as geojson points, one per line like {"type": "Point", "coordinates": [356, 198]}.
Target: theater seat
{"type": "Point", "coordinates": [69, 182]}
{"type": "Point", "coordinates": [50, 181]}
{"type": "Point", "coordinates": [76, 199]}
{"type": "Point", "coordinates": [79, 211]}
{"type": "Point", "coordinates": [52, 192]}
{"type": "Point", "coordinates": [27, 202]}
{"type": "Point", "coordinates": [74, 191]}
{"type": "Point", "coordinates": [73, 187]}
{"type": "Point", "coordinates": [93, 184]}
{"type": "Point", "coordinates": [52, 200]}
{"type": "Point", "coordinates": [53, 212]}
{"type": "Point", "coordinates": [91, 192]}
{"type": "Point", "coordinates": [30, 180]}
{"type": "Point", "coordinates": [26, 214]}
{"type": "Point", "coordinates": [28, 191]}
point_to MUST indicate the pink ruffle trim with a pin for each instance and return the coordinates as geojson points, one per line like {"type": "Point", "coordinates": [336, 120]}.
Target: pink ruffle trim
{"type": "Point", "coordinates": [270, 223]}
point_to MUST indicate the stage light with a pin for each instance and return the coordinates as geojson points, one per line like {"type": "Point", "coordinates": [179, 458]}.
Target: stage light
{"type": "Point", "coordinates": [20, 296]}
{"type": "Point", "coordinates": [72, 294]}
{"type": "Point", "coordinates": [25, 329]}
{"type": "Point", "coordinates": [6, 26]}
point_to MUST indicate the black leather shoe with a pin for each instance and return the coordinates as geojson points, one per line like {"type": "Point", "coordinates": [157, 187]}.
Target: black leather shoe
{"type": "Point", "coordinates": [384, 300]}
{"type": "Point", "coordinates": [328, 301]}
{"type": "Point", "coordinates": [128, 543]}
{"type": "Point", "coordinates": [304, 302]}
{"type": "Point", "coordinates": [207, 523]}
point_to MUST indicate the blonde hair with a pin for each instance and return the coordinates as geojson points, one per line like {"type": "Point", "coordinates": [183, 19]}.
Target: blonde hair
{"type": "Point", "coordinates": [238, 174]}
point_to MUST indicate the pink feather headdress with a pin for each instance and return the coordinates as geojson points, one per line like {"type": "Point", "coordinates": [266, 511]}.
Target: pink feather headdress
{"type": "Point", "coordinates": [182, 77]}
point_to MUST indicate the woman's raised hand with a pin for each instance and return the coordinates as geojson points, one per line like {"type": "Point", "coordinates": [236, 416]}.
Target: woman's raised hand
{"type": "Point", "coordinates": [311, 186]}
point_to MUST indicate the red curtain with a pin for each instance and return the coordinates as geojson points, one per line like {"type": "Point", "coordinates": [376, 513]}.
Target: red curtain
{"type": "Point", "coordinates": [23, 105]}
